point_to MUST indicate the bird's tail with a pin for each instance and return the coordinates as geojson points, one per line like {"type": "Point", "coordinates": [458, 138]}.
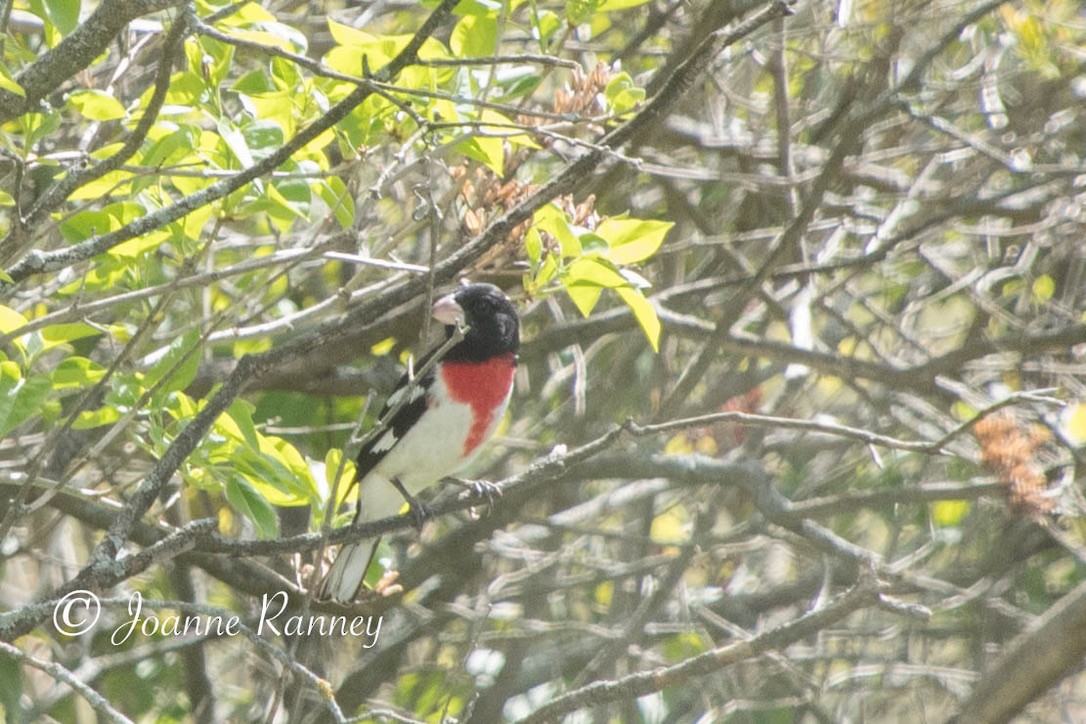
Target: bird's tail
{"type": "Point", "coordinates": [377, 498]}
{"type": "Point", "coordinates": [344, 578]}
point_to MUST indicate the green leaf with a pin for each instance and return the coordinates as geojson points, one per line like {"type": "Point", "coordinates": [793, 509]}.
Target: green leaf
{"type": "Point", "coordinates": [37, 126]}
{"type": "Point", "coordinates": [241, 412]}
{"type": "Point", "coordinates": [64, 14]}
{"type": "Point", "coordinates": [10, 320]}
{"type": "Point", "coordinates": [96, 105]}
{"type": "Point", "coordinates": [20, 399]}
{"type": "Point", "coordinates": [134, 248]}
{"type": "Point", "coordinates": [244, 499]}
{"type": "Point", "coordinates": [276, 35]}
{"type": "Point", "coordinates": [644, 313]}
{"type": "Point", "coordinates": [333, 192]}
{"type": "Point", "coordinates": [76, 372]}
{"type": "Point", "coordinates": [263, 137]}
{"type": "Point", "coordinates": [235, 141]}
{"type": "Point", "coordinates": [586, 278]}
{"type": "Point", "coordinates": [487, 150]}
{"type": "Point", "coordinates": [584, 297]}
{"type": "Point", "coordinates": [89, 419]}
{"type": "Point", "coordinates": [331, 465]}
{"type": "Point", "coordinates": [504, 131]}
{"type": "Point", "coordinates": [534, 246]}
{"type": "Point", "coordinates": [622, 93]}
{"type": "Point", "coordinates": [546, 24]}
{"type": "Point", "coordinates": [609, 5]}
{"type": "Point", "coordinates": [595, 272]}
{"type": "Point", "coordinates": [518, 86]}
{"type": "Point", "coordinates": [579, 11]}
{"type": "Point", "coordinates": [85, 224]}
{"type": "Point", "coordinates": [475, 36]}
{"type": "Point", "coordinates": [1043, 288]}
{"type": "Point", "coordinates": [346, 35]}
{"type": "Point", "coordinates": [555, 222]}
{"type": "Point", "coordinates": [247, 14]}
{"type": "Point", "coordinates": [182, 377]}
{"type": "Point", "coordinates": [949, 513]}
{"type": "Point", "coordinates": [548, 270]}
{"type": "Point", "coordinates": [632, 240]}
{"type": "Point", "coordinates": [8, 82]}
{"type": "Point", "coordinates": [58, 334]}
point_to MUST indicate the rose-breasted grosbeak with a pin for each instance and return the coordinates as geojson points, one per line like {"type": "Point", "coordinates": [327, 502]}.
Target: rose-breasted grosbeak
{"type": "Point", "coordinates": [449, 413]}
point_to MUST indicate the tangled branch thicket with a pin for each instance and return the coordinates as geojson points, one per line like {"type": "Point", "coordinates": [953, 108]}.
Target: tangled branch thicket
{"type": "Point", "coordinates": [797, 422]}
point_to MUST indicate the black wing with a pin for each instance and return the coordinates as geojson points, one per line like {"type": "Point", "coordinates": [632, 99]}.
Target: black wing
{"type": "Point", "coordinates": [408, 414]}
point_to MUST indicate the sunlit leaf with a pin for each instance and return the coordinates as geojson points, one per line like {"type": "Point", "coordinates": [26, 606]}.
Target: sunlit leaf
{"type": "Point", "coordinates": [632, 240]}
{"type": "Point", "coordinates": [10, 320]}
{"type": "Point", "coordinates": [579, 11]}
{"type": "Point", "coordinates": [96, 105]}
{"type": "Point", "coordinates": [949, 513]}
{"type": "Point", "coordinates": [475, 36]}
{"type": "Point", "coordinates": [76, 372]}
{"type": "Point", "coordinates": [8, 83]}
{"type": "Point", "coordinates": [644, 313]}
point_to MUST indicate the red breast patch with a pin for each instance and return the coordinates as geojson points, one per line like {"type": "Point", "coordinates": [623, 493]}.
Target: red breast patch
{"type": "Point", "coordinates": [483, 386]}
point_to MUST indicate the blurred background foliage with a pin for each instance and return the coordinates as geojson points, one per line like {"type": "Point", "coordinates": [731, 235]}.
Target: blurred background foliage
{"type": "Point", "coordinates": [867, 216]}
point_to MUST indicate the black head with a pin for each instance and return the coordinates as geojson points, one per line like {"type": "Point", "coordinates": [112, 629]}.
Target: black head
{"type": "Point", "coordinates": [493, 326]}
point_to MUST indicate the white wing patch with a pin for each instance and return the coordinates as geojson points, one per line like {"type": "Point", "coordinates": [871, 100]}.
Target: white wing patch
{"type": "Point", "coordinates": [394, 399]}
{"type": "Point", "coordinates": [385, 443]}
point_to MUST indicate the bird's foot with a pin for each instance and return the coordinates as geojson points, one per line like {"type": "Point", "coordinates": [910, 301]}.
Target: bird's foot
{"type": "Point", "coordinates": [481, 489]}
{"type": "Point", "coordinates": [419, 511]}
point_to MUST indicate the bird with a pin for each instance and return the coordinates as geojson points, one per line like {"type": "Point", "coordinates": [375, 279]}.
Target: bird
{"type": "Point", "coordinates": [440, 422]}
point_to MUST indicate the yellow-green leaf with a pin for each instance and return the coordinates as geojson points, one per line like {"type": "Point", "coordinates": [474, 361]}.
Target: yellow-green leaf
{"type": "Point", "coordinates": [20, 398]}
{"type": "Point", "coordinates": [331, 466]}
{"type": "Point", "coordinates": [346, 35]}
{"type": "Point", "coordinates": [76, 372]}
{"type": "Point", "coordinates": [475, 36]}
{"type": "Point", "coordinates": [632, 240]}
{"type": "Point", "coordinates": [672, 527]}
{"type": "Point", "coordinates": [1074, 423]}
{"type": "Point", "coordinates": [8, 83]}
{"type": "Point", "coordinates": [487, 150]}
{"type": "Point", "coordinates": [644, 313]}
{"type": "Point", "coordinates": [58, 334]}
{"type": "Point", "coordinates": [949, 513]}
{"type": "Point", "coordinates": [10, 320]}
{"type": "Point", "coordinates": [96, 105]}
{"type": "Point", "coordinates": [594, 272]}
{"type": "Point", "coordinates": [1043, 288]}
{"type": "Point", "coordinates": [554, 221]}
{"type": "Point", "coordinates": [246, 500]}
{"type": "Point", "coordinates": [584, 297]}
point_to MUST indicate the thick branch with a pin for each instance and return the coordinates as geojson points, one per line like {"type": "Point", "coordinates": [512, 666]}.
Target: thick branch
{"type": "Point", "coordinates": [74, 53]}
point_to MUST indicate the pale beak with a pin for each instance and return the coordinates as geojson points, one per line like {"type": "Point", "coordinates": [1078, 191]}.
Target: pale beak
{"type": "Point", "coordinates": [448, 312]}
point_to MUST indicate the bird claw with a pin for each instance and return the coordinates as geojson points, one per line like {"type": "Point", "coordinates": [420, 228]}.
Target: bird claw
{"type": "Point", "coordinates": [486, 490]}
{"type": "Point", "coordinates": [482, 489]}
